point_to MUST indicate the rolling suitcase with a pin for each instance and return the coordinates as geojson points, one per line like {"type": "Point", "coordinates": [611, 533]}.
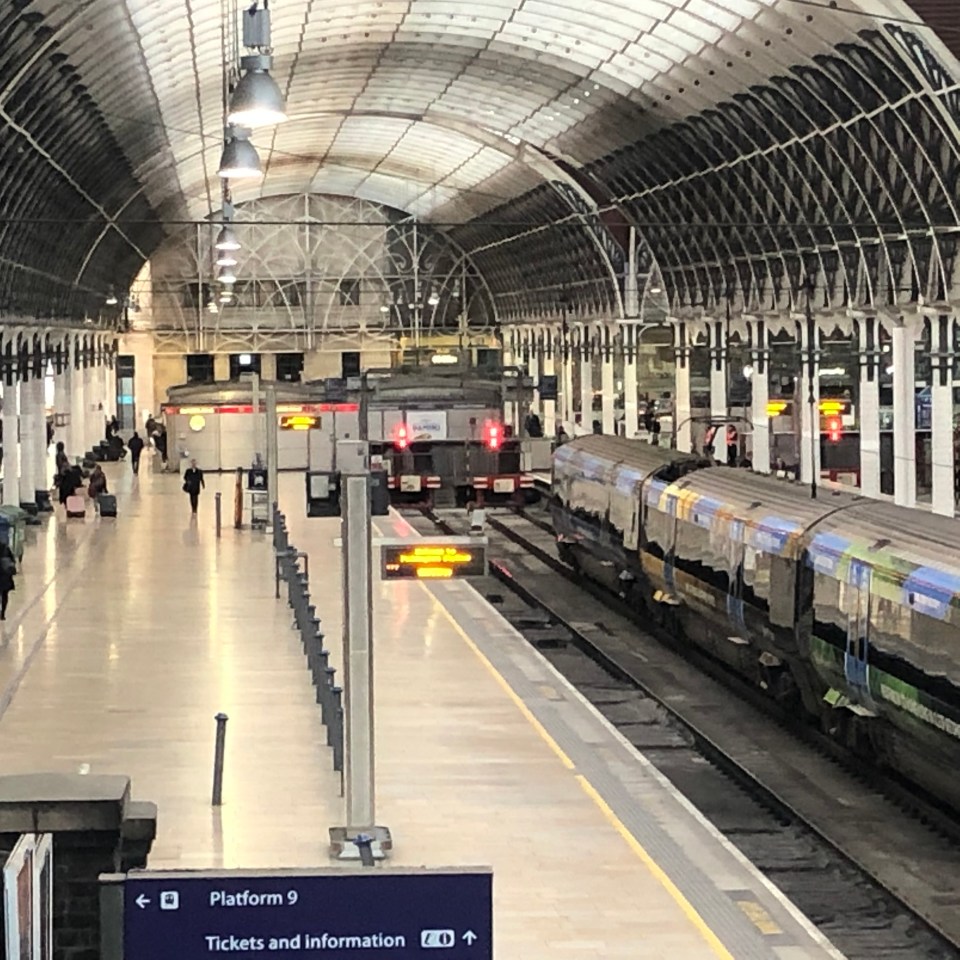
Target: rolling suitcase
{"type": "Point", "coordinates": [108, 505]}
{"type": "Point", "coordinates": [76, 507]}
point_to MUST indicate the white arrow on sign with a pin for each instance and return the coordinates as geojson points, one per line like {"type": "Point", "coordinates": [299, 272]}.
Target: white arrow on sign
{"type": "Point", "coordinates": [469, 936]}
{"type": "Point", "coordinates": [142, 901]}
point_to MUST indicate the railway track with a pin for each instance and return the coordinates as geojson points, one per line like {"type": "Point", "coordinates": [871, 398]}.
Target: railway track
{"type": "Point", "coordinates": [875, 868]}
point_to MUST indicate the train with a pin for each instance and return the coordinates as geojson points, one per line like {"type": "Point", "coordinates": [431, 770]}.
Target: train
{"type": "Point", "coordinates": [844, 608]}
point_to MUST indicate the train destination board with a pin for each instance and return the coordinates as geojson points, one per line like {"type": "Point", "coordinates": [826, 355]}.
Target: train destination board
{"type": "Point", "coordinates": [433, 559]}
{"type": "Point", "coordinates": [338, 914]}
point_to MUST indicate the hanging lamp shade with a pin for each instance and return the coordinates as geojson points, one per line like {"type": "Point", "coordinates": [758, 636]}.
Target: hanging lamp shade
{"type": "Point", "coordinates": [227, 239]}
{"type": "Point", "coordinates": [257, 100]}
{"type": "Point", "coordinates": [226, 259]}
{"type": "Point", "coordinates": [227, 276]}
{"type": "Point", "coordinates": [239, 159]}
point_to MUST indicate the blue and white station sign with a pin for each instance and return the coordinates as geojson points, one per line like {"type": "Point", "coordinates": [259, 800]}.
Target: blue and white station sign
{"type": "Point", "coordinates": [393, 914]}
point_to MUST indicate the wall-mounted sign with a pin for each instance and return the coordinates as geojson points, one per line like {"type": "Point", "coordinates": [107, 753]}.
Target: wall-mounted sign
{"type": "Point", "coordinates": [426, 425]}
{"type": "Point", "coordinates": [441, 559]}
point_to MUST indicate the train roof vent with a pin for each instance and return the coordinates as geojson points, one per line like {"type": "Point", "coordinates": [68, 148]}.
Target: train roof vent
{"type": "Point", "coordinates": [880, 544]}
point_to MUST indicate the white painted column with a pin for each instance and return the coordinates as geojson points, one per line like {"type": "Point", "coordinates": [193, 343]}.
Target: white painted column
{"type": "Point", "coordinates": [631, 414]}
{"type": "Point", "coordinates": [681, 394]}
{"type": "Point", "coordinates": [78, 412]}
{"type": "Point", "coordinates": [549, 369]}
{"type": "Point", "coordinates": [904, 413]}
{"type": "Point", "coordinates": [93, 420]}
{"type": "Point", "coordinates": [809, 402]}
{"type": "Point", "coordinates": [759, 396]}
{"type": "Point", "coordinates": [586, 381]}
{"type": "Point", "coordinates": [11, 444]}
{"type": "Point", "coordinates": [566, 383]}
{"type": "Point", "coordinates": [42, 465]}
{"type": "Point", "coordinates": [533, 367]}
{"type": "Point", "coordinates": [607, 385]}
{"type": "Point", "coordinates": [28, 444]}
{"type": "Point", "coordinates": [869, 407]}
{"type": "Point", "coordinates": [941, 416]}
{"type": "Point", "coordinates": [718, 384]}
{"type": "Point", "coordinates": [61, 408]}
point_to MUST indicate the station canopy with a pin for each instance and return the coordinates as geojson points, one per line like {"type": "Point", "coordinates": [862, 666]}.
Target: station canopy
{"type": "Point", "coordinates": [469, 113]}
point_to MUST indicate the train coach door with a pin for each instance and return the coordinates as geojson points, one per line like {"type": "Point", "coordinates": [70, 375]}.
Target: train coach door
{"type": "Point", "coordinates": [856, 655]}
{"type": "Point", "coordinates": [734, 561]}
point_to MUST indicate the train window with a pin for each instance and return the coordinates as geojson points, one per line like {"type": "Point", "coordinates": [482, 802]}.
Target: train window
{"type": "Point", "coordinates": [756, 578]}
{"type": "Point", "coordinates": [694, 556]}
{"type": "Point", "coordinates": [290, 367]}
{"type": "Point", "coordinates": [199, 368]}
{"type": "Point", "coordinates": [830, 622]}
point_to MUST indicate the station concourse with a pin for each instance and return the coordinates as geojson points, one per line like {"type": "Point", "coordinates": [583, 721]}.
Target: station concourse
{"type": "Point", "coordinates": [126, 637]}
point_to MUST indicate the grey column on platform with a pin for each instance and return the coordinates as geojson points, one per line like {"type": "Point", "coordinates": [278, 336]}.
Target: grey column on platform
{"type": "Point", "coordinates": [78, 407]}
{"type": "Point", "coordinates": [42, 465]}
{"type": "Point", "coordinates": [586, 380]}
{"type": "Point", "coordinates": [903, 336]}
{"type": "Point", "coordinates": [682, 426]}
{"type": "Point", "coordinates": [608, 393]}
{"type": "Point", "coordinates": [759, 398]}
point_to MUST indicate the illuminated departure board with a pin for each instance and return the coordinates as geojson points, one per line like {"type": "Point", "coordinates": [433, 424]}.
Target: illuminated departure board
{"type": "Point", "coordinates": [433, 560]}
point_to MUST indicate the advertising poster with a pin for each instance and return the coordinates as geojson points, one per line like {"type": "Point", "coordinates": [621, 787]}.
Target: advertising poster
{"type": "Point", "coordinates": [427, 424]}
{"type": "Point", "coordinates": [43, 897]}
{"type": "Point", "coordinates": [28, 899]}
{"type": "Point", "coordinates": [18, 905]}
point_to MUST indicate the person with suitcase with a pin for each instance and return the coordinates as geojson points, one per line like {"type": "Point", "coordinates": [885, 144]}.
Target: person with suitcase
{"type": "Point", "coordinates": [8, 567]}
{"type": "Point", "coordinates": [97, 486]}
{"type": "Point", "coordinates": [192, 482]}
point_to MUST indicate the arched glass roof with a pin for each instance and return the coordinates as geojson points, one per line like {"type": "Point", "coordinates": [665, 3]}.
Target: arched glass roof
{"type": "Point", "coordinates": [111, 111]}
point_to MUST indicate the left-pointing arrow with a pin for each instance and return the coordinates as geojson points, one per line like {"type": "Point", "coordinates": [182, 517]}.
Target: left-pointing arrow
{"type": "Point", "coordinates": [142, 901]}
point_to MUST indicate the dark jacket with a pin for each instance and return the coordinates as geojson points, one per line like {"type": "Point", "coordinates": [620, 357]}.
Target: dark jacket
{"type": "Point", "coordinates": [97, 484]}
{"type": "Point", "coordinates": [7, 560]}
{"type": "Point", "coordinates": [71, 480]}
{"type": "Point", "coordinates": [193, 480]}
{"type": "Point", "coordinates": [135, 446]}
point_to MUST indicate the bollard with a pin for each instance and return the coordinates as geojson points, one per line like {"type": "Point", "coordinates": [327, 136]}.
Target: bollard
{"type": "Point", "coordinates": [221, 719]}
{"type": "Point", "coordinates": [321, 663]}
{"type": "Point", "coordinates": [364, 845]}
{"type": "Point", "coordinates": [217, 505]}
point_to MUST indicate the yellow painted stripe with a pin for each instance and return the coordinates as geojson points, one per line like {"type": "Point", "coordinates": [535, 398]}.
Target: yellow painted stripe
{"type": "Point", "coordinates": [760, 918]}
{"type": "Point", "coordinates": [505, 686]}
{"type": "Point", "coordinates": [712, 940]}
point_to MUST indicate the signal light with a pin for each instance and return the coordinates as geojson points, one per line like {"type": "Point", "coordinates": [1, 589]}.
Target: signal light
{"type": "Point", "coordinates": [834, 429]}
{"type": "Point", "coordinates": [493, 436]}
{"type": "Point", "coordinates": [402, 438]}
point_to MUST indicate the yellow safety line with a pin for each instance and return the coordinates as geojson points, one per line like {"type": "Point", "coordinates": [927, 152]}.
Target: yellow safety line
{"type": "Point", "coordinates": [713, 941]}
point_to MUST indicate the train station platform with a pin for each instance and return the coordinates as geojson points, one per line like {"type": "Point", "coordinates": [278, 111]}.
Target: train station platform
{"type": "Point", "coordinates": [126, 637]}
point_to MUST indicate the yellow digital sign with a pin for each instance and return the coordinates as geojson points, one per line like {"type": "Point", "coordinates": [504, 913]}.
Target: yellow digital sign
{"type": "Point", "coordinates": [299, 421]}
{"type": "Point", "coordinates": [832, 408]}
{"type": "Point", "coordinates": [433, 561]}
{"type": "Point", "coordinates": [776, 407]}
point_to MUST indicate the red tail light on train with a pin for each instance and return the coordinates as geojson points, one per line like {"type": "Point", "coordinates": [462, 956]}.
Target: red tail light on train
{"type": "Point", "coordinates": [401, 437]}
{"type": "Point", "coordinates": [493, 436]}
{"type": "Point", "coordinates": [834, 429]}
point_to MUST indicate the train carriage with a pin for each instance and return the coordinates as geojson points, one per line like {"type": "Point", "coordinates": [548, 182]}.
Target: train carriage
{"type": "Point", "coordinates": [848, 607]}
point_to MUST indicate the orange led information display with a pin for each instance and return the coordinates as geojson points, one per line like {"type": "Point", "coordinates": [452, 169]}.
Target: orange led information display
{"type": "Point", "coordinates": [433, 561]}
{"type": "Point", "coordinates": [299, 421]}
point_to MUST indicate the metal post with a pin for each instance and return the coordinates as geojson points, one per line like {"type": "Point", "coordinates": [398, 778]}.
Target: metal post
{"type": "Point", "coordinates": [812, 379]}
{"type": "Point", "coordinates": [272, 445]}
{"type": "Point", "coordinates": [255, 397]}
{"type": "Point", "coordinates": [358, 652]}
{"type": "Point", "coordinates": [221, 719]}
{"type": "Point", "coordinates": [217, 498]}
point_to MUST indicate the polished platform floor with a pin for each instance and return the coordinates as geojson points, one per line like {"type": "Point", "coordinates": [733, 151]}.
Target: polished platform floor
{"type": "Point", "coordinates": [125, 638]}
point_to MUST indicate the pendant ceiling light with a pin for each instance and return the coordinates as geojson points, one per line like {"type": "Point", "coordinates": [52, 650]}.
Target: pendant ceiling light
{"type": "Point", "coordinates": [256, 100]}
{"type": "Point", "coordinates": [227, 239]}
{"type": "Point", "coordinates": [239, 159]}
{"type": "Point", "coordinates": [227, 276]}
{"type": "Point", "coordinates": [226, 259]}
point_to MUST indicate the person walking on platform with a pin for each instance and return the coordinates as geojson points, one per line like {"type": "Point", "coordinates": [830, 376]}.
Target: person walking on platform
{"type": "Point", "coordinates": [62, 463]}
{"type": "Point", "coordinates": [135, 446]}
{"type": "Point", "coordinates": [8, 567]}
{"type": "Point", "coordinates": [192, 482]}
